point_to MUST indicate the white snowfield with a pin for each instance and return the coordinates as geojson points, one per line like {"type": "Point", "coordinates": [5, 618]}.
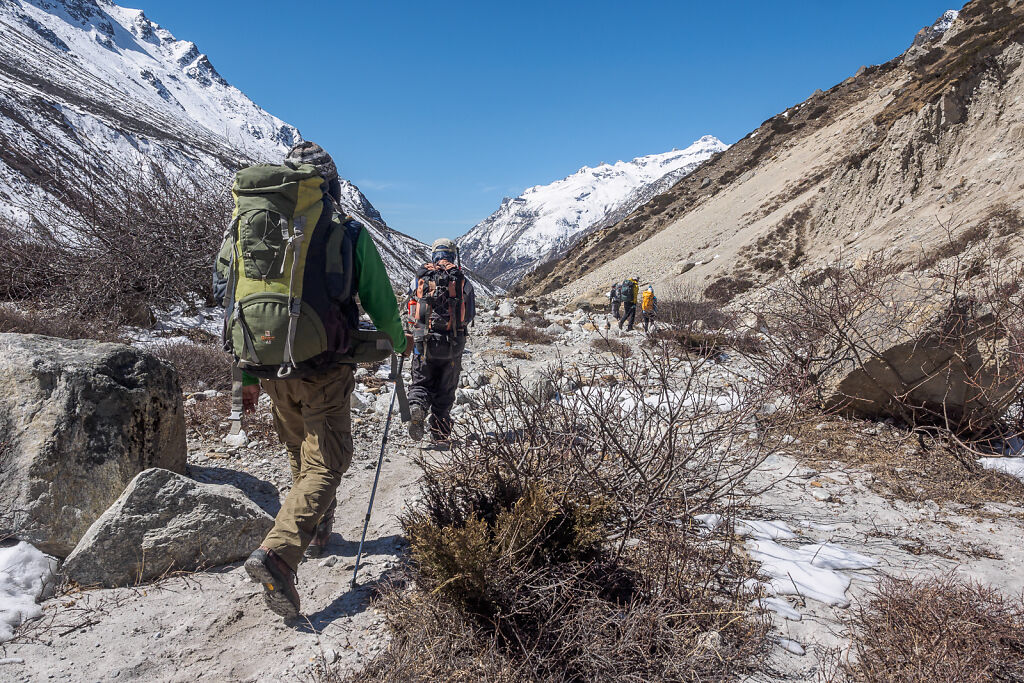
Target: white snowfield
{"type": "Point", "coordinates": [1014, 466]}
{"type": "Point", "coordinates": [545, 220]}
{"type": "Point", "coordinates": [25, 576]}
{"type": "Point", "coordinates": [808, 571]}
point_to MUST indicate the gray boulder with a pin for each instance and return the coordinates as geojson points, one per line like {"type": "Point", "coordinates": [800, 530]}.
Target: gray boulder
{"type": "Point", "coordinates": [78, 420]}
{"type": "Point", "coordinates": [164, 521]}
{"type": "Point", "coordinates": [506, 308]}
{"type": "Point", "coordinates": [945, 365]}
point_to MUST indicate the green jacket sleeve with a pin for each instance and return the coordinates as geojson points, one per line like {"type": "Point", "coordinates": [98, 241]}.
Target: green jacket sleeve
{"type": "Point", "coordinates": [375, 292]}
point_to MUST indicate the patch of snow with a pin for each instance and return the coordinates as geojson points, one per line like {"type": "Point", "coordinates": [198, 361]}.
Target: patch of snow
{"type": "Point", "coordinates": [1012, 466]}
{"type": "Point", "coordinates": [792, 647]}
{"type": "Point", "coordinates": [759, 529]}
{"type": "Point", "coordinates": [26, 574]}
{"type": "Point", "coordinates": [780, 607]}
{"type": "Point", "coordinates": [764, 530]}
{"type": "Point", "coordinates": [808, 571]}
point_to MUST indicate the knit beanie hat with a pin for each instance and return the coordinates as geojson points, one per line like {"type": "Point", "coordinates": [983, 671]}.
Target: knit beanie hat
{"type": "Point", "coordinates": [307, 152]}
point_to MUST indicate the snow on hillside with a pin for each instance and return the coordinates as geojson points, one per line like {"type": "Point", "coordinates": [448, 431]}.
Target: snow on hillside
{"type": "Point", "coordinates": [545, 220]}
{"type": "Point", "coordinates": [136, 74]}
{"type": "Point", "coordinates": [938, 29]}
{"type": "Point", "coordinates": [87, 82]}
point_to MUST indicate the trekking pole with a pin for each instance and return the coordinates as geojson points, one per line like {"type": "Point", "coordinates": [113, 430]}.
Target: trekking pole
{"type": "Point", "coordinates": [396, 374]}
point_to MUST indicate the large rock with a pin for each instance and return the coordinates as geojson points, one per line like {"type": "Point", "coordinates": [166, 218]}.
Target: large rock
{"type": "Point", "coordinates": [945, 364]}
{"type": "Point", "coordinates": [78, 420]}
{"type": "Point", "coordinates": [162, 522]}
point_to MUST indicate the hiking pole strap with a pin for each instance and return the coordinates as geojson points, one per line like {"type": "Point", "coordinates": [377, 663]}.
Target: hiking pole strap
{"type": "Point", "coordinates": [235, 419]}
{"type": "Point", "coordinates": [373, 491]}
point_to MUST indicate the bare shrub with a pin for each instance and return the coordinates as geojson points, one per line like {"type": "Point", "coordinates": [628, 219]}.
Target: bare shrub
{"type": "Point", "coordinates": [530, 317]}
{"type": "Point", "coordinates": [943, 472]}
{"type": "Point", "coordinates": [55, 324]}
{"type": "Point", "coordinates": [709, 343]}
{"type": "Point", "coordinates": [936, 629]}
{"type": "Point", "coordinates": [964, 318]}
{"type": "Point", "coordinates": [522, 333]}
{"type": "Point", "coordinates": [556, 540]}
{"type": "Point", "coordinates": [609, 345]}
{"type": "Point", "coordinates": [726, 288]}
{"type": "Point", "coordinates": [685, 308]}
{"type": "Point", "coordinates": [115, 241]}
{"type": "Point", "coordinates": [200, 366]}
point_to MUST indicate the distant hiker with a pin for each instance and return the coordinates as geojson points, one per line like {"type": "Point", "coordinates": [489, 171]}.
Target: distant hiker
{"type": "Point", "coordinates": [628, 293]}
{"type": "Point", "coordinates": [648, 307]}
{"type": "Point", "coordinates": [441, 305]}
{"type": "Point", "coordinates": [615, 300]}
{"type": "Point", "coordinates": [287, 274]}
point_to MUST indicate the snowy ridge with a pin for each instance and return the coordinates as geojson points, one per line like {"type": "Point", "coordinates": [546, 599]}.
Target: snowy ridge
{"type": "Point", "coordinates": [938, 29]}
{"type": "Point", "coordinates": [87, 84]}
{"type": "Point", "coordinates": [545, 220]}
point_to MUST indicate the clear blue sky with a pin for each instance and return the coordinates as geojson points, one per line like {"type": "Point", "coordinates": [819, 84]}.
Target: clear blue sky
{"type": "Point", "coordinates": [439, 109]}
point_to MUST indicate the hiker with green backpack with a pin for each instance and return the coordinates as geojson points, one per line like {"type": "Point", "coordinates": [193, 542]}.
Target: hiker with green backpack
{"type": "Point", "coordinates": [287, 275]}
{"type": "Point", "coordinates": [628, 294]}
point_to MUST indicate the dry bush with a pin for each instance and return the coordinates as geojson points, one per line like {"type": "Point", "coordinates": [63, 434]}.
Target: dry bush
{"type": "Point", "coordinates": [687, 309]}
{"type": "Point", "coordinates": [531, 317]}
{"type": "Point", "coordinates": [726, 288]}
{"type": "Point", "coordinates": [200, 366]}
{"type": "Point", "coordinates": [55, 324]}
{"type": "Point", "coordinates": [708, 343]}
{"type": "Point", "coordinates": [116, 242]}
{"type": "Point", "coordinates": [555, 540]}
{"type": "Point", "coordinates": [936, 629]}
{"type": "Point", "coordinates": [522, 333]}
{"type": "Point", "coordinates": [942, 471]}
{"type": "Point", "coordinates": [609, 345]}
{"type": "Point", "coordinates": [968, 309]}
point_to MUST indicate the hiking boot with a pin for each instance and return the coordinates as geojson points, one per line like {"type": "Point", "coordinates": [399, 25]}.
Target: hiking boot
{"type": "Point", "coordinates": [418, 417]}
{"type": "Point", "coordinates": [321, 537]}
{"type": "Point", "coordinates": [278, 579]}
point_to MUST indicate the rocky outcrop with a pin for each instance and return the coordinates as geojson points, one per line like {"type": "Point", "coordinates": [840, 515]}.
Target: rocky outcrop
{"type": "Point", "coordinates": [163, 522]}
{"type": "Point", "coordinates": [78, 420]}
{"type": "Point", "coordinates": [943, 366]}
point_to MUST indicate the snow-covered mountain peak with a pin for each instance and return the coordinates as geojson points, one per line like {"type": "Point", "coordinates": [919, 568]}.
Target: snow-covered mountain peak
{"type": "Point", "coordinates": [545, 220]}
{"type": "Point", "coordinates": [88, 84]}
{"type": "Point", "coordinates": [938, 29]}
{"type": "Point", "coordinates": [126, 52]}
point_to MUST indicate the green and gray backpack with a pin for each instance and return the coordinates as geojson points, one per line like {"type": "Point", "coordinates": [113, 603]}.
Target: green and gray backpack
{"type": "Point", "coordinates": [285, 276]}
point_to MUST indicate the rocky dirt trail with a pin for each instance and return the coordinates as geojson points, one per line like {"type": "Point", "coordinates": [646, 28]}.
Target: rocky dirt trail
{"type": "Point", "coordinates": [822, 524]}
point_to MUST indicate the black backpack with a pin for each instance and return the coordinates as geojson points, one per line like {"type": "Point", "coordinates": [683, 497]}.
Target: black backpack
{"type": "Point", "coordinates": [438, 305]}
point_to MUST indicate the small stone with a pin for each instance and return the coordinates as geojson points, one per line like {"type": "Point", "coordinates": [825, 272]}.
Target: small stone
{"type": "Point", "coordinates": [821, 494]}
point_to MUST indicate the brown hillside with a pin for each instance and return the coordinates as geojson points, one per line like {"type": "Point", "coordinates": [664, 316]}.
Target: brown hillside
{"type": "Point", "coordinates": [880, 160]}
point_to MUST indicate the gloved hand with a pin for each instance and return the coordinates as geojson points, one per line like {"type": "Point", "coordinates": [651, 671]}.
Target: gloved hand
{"type": "Point", "coordinates": [250, 395]}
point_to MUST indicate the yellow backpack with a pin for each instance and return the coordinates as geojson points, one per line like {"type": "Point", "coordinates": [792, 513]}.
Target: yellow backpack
{"type": "Point", "coordinates": [647, 301]}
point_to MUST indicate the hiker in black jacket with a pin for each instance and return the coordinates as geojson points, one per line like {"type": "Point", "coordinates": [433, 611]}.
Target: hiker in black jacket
{"type": "Point", "coordinates": [442, 303]}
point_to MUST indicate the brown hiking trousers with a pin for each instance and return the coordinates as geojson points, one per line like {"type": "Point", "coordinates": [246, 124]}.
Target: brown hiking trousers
{"type": "Point", "coordinates": [313, 420]}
